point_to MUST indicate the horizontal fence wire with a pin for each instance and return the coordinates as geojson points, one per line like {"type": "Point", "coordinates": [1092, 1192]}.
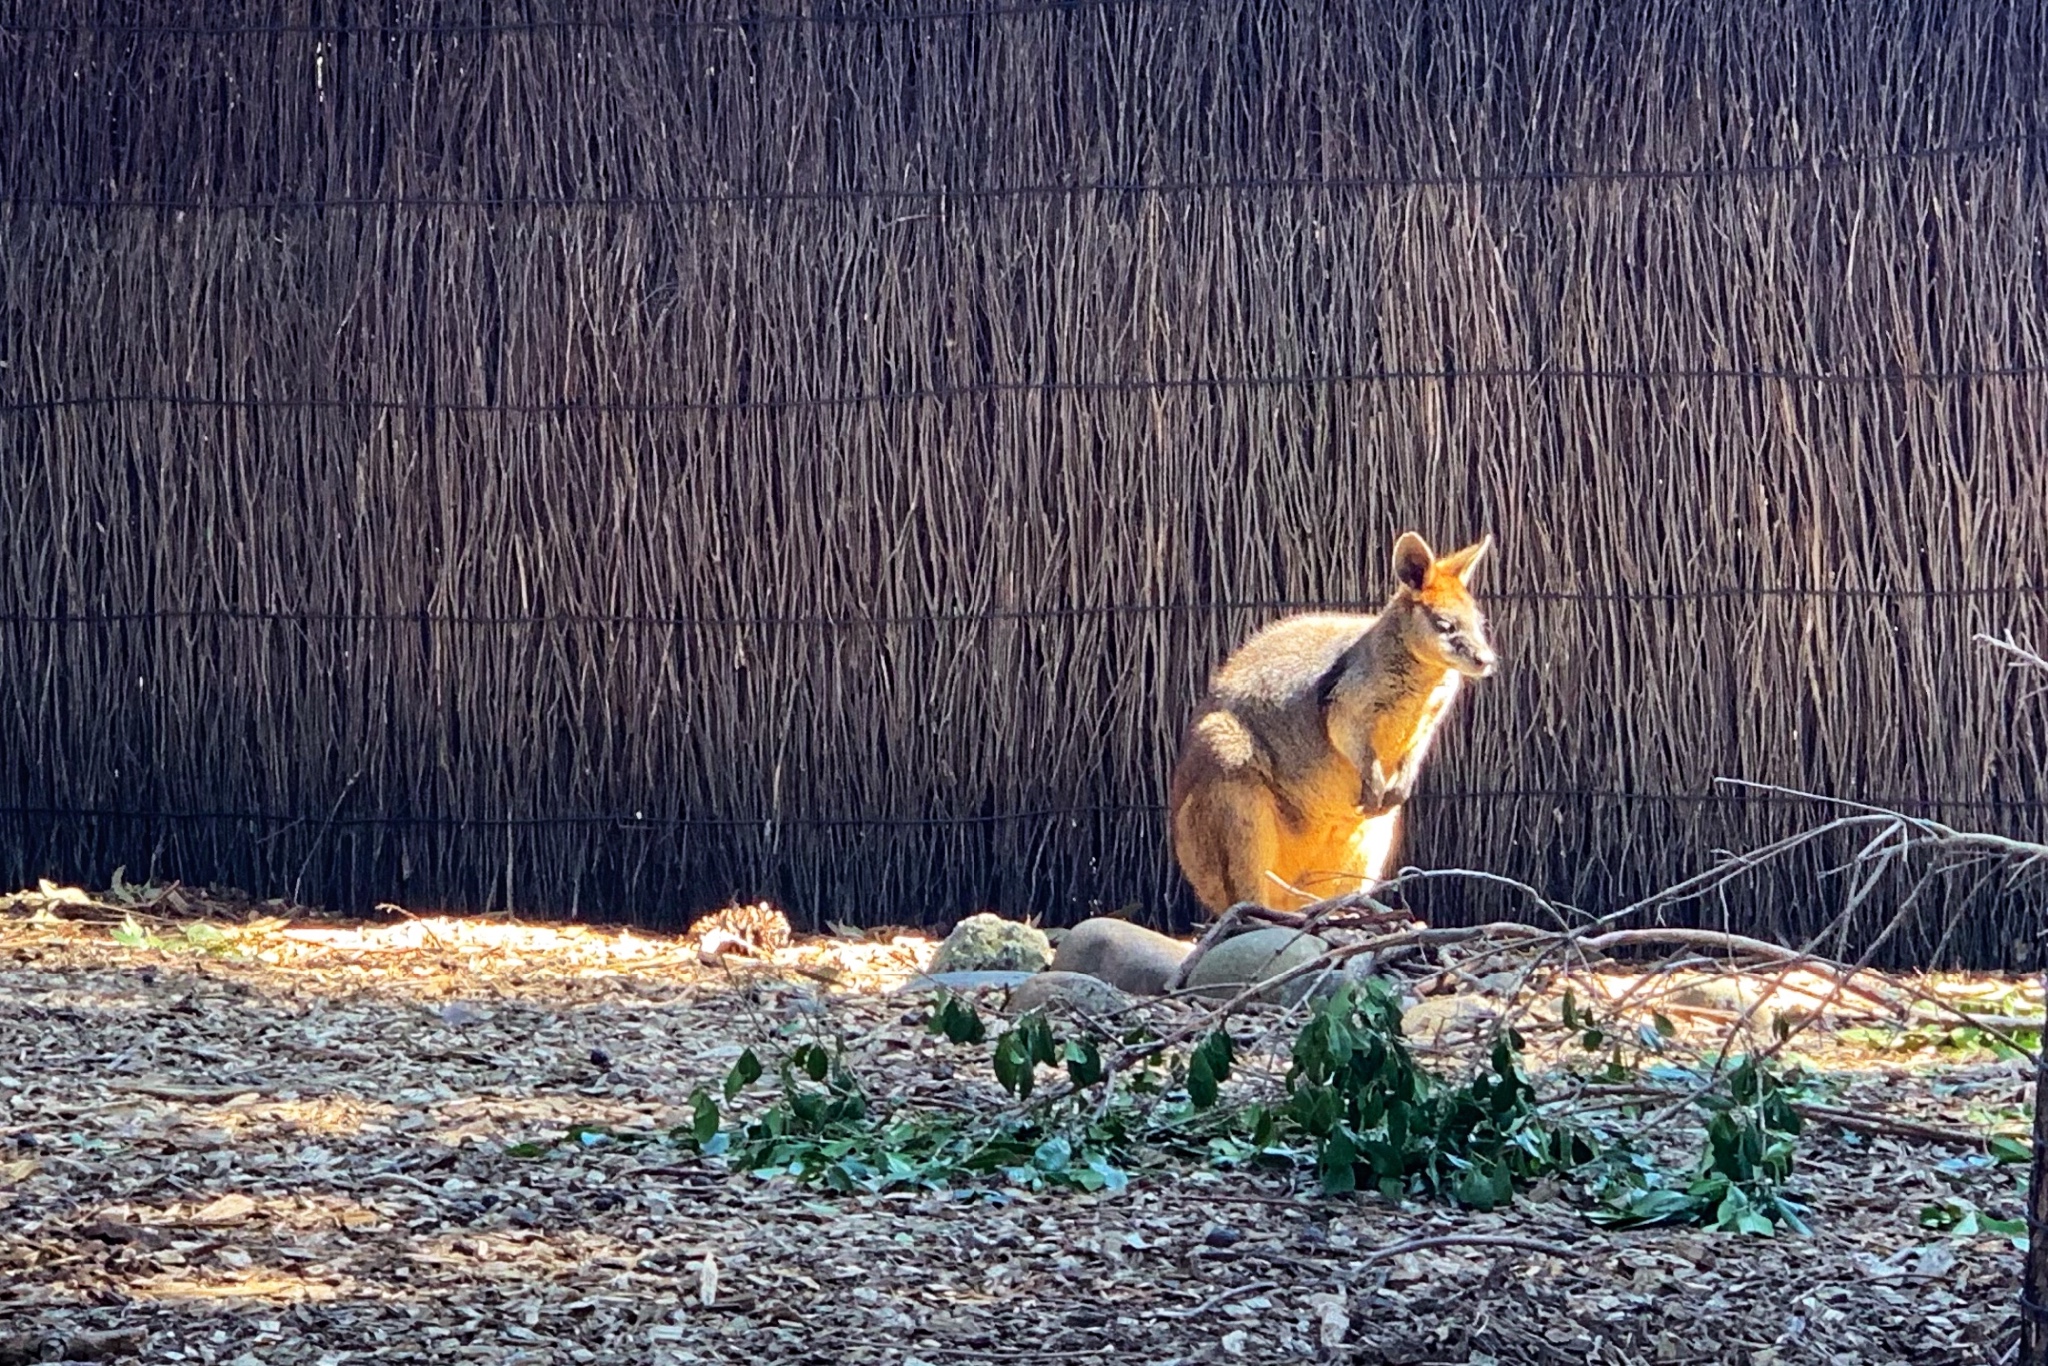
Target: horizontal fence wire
{"type": "Point", "coordinates": [1152, 811]}
{"type": "Point", "coordinates": [1048, 388]}
{"type": "Point", "coordinates": [1046, 615]}
{"type": "Point", "coordinates": [600, 201]}
{"type": "Point", "coordinates": [828, 15]}
{"type": "Point", "coordinates": [605, 462]}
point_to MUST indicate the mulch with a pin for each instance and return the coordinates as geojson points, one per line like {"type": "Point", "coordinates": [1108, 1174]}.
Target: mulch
{"type": "Point", "coordinates": [295, 1142]}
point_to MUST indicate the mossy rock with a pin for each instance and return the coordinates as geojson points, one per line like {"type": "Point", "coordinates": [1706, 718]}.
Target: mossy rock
{"type": "Point", "coordinates": [989, 943]}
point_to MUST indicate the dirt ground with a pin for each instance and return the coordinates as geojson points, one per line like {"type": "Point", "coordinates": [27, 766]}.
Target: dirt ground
{"type": "Point", "coordinates": [284, 1140]}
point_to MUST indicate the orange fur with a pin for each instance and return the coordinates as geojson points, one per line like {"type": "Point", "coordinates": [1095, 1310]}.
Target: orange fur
{"type": "Point", "coordinates": [1293, 771]}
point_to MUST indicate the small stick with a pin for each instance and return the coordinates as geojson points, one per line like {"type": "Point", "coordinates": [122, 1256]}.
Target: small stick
{"type": "Point", "coordinates": [1215, 935]}
{"type": "Point", "coordinates": [1463, 1240]}
{"type": "Point", "coordinates": [1221, 1297]}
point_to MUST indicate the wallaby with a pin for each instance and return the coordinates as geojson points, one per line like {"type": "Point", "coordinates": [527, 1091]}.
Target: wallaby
{"type": "Point", "coordinates": [1292, 774]}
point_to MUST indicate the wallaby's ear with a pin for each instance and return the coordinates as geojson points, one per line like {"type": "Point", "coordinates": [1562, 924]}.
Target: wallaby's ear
{"type": "Point", "coordinates": [1463, 562]}
{"type": "Point", "coordinates": [1412, 559]}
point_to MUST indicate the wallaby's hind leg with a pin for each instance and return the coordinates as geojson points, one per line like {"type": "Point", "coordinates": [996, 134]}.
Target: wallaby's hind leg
{"type": "Point", "coordinates": [1226, 834]}
{"type": "Point", "coordinates": [1337, 859]}
{"type": "Point", "coordinates": [1373, 847]}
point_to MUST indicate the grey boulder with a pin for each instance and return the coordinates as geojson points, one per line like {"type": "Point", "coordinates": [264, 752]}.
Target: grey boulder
{"type": "Point", "coordinates": [1257, 956]}
{"type": "Point", "coordinates": [1068, 991]}
{"type": "Point", "coordinates": [1125, 955]}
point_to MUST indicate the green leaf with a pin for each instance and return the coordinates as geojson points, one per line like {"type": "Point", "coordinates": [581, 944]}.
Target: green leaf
{"type": "Point", "coordinates": [958, 1021]}
{"type": "Point", "coordinates": [203, 936]}
{"type": "Point", "coordinates": [1084, 1062]}
{"type": "Point", "coordinates": [1053, 1155]}
{"type": "Point", "coordinates": [1944, 1214]}
{"type": "Point", "coordinates": [1217, 1048]}
{"type": "Point", "coordinates": [1476, 1189]}
{"type": "Point", "coordinates": [2005, 1149]}
{"type": "Point", "coordinates": [1013, 1066]}
{"type": "Point", "coordinates": [1044, 1051]}
{"type": "Point", "coordinates": [704, 1117]}
{"type": "Point", "coordinates": [1201, 1081]}
{"type": "Point", "coordinates": [745, 1072]}
{"type": "Point", "coordinates": [1648, 1208]}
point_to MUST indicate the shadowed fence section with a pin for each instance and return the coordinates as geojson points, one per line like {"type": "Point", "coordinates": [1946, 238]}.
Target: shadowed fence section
{"type": "Point", "coordinates": [603, 462]}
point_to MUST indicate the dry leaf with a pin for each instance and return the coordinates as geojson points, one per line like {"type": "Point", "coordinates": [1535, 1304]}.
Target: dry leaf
{"type": "Point", "coordinates": [707, 1281]}
{"type": "Point", "coordinates": [228, 1209]}
{"type": "Point", "coordinates": [1332, 1323]}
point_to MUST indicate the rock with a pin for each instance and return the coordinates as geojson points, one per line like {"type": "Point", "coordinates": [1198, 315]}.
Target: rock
{"type": "Point", "coordinates": [1503, 983]}
{"type": "Point", "coordinates": [964, 981]}
{"type": "Point", "coordinates": [989, 943]}
{"type": "Point", "coordinates": [1077, 991]}
{"type": "Point", "coordinates": [1354, 970]}
{"type": "Point", "coordinates": [1429, 1019]}
{"type": "Point", "coordinates": [1739, 996]}
{"type": "Point", "coordinates": [1125, 955]}
{"type": "Point", "coordinates": [1732, 994]}
{"type": "Point", "coordinates": [1255, 956]}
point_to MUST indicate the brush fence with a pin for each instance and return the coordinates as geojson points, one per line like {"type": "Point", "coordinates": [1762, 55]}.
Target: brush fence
{"type": "Point", "coordinates": [604, 460]}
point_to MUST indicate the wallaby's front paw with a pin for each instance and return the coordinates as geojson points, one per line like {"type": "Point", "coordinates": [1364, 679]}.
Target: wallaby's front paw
{"type": "Point", "coordinates": [1377, 795]}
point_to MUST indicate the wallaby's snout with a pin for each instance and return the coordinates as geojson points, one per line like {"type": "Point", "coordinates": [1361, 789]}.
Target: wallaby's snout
{"type": "Point", "coordinates": [1457, 640]}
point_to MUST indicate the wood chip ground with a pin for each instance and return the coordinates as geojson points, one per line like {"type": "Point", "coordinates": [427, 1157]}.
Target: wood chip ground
{"type": "Point", "coordinates": [293, 1151]}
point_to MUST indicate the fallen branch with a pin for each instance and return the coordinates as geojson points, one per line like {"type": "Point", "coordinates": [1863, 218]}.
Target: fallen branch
{"type": "Point", "coordinates": [1821, 1114]}
{"type": "Point", "coordinates": [1838, 973]}
{"type": "Point", "coordinates": [1896, 1128]}
{"type": "Point", "coordinates": [1214, 935]}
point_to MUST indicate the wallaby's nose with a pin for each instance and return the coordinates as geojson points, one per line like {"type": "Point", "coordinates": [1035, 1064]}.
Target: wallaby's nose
{"type": "Point", "coordinates": [1485, 659]}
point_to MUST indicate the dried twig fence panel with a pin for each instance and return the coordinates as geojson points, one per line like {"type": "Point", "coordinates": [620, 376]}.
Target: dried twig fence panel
{"type": "Point", "coordinates": [602, 461]}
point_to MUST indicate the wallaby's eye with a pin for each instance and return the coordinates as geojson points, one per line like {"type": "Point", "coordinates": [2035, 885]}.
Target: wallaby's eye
{"type": "Point", "coordinates": [1440, 621]}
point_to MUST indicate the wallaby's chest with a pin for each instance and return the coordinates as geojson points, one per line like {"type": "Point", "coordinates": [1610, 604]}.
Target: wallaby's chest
{"type": "Point", "coordinates": [1404, 720]}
